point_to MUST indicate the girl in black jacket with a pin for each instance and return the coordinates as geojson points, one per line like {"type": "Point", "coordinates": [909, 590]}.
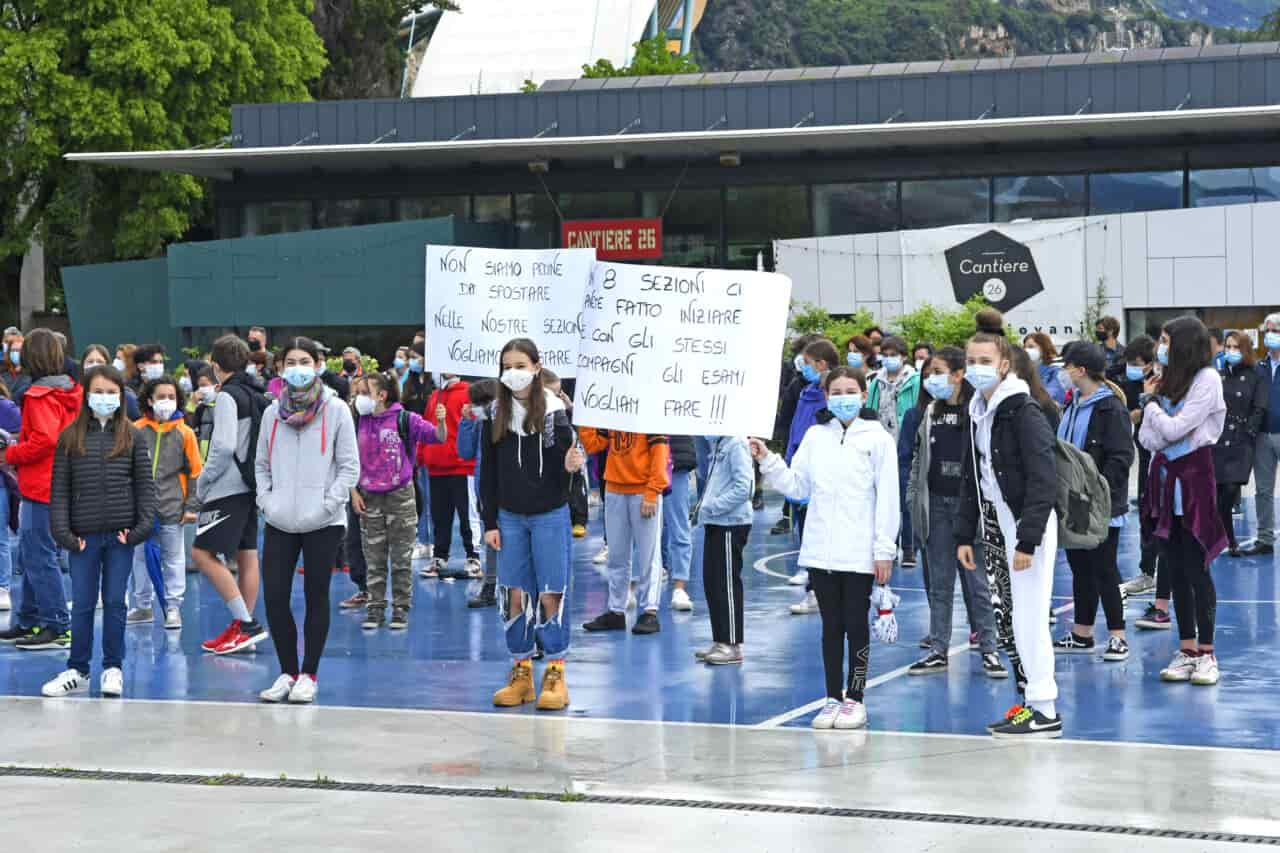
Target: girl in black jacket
{"type": "Point", "coordinates": [1009, 480]}
{"type": "Point", "coordinates": [1097, 422]}
{"type": "Point", "coordinates": [102, 505]}
{"type": "Point", "coordinates": [1247, 395]}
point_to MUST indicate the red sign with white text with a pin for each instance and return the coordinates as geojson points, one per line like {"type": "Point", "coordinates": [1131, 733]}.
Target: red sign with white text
{"type": "Point", "coordinates": [614, 239]}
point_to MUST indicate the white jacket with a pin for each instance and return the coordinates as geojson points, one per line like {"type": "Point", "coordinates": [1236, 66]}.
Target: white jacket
{"type": "Point", "coordinates": [850, 478]}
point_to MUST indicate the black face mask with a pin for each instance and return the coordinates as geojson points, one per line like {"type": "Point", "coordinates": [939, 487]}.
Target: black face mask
{"type": "Point", "coordinates": [255, 345]}
{"type": "Point", "coordinates": [1102, 336]}
{"type": "Point", "coordinates": [349, 366]}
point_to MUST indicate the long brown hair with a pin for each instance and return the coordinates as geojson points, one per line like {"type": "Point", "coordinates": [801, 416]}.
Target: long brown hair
{"type": "Point", "coordinates": [1020, 366]}
{"type": "Point", "coordinates": [1048, 352]}
{"type": "Point", "coordinates": [42, 354]}
{"type": "Point", "coordinates": [1189, 353]}
{"type": "Point", "coordinates": [1242, 341]}
{"type": "Point", "coordinates": [535, 409]}
{"type": "Point", "coordinates": [72, 439]}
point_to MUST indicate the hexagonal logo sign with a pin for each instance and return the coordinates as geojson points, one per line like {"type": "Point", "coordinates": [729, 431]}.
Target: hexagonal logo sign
{"type": "Point", "coordinates": [996, 266]}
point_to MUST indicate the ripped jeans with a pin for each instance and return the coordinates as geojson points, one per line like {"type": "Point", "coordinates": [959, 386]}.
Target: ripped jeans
{"type": "Point", "coordinates": [534, 559]}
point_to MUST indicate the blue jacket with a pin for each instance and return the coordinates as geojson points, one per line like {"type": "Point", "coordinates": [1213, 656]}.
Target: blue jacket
{"type": "Point", "coordinates": [1049, 378]}
{"type": "Point", "coordinates": [812, 400]}
{"type": "Point", "coordinates": [726, 501]}
{"type": "Point", "coordinates": [469, 441]}
{"type": "Point", "coordinates": [1272, 378]}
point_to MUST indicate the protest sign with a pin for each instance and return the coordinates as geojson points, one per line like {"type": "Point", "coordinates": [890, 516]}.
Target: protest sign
{"type": "Point", "coordinates": [478, 299]}
{"type": "Point", "coordinates": [680, 351]}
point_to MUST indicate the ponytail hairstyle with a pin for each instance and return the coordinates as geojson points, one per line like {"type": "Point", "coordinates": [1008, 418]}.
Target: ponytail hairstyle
{"type": "Point", "coordinates": [954, 358]}
{"type": "Point", "coordinates": [990, 330]}
{"type": "Point", "coordinates": [72, 439]}
{"type": "Point", "coordinates": [822, 349]}
{"type": "Point", "coordinates": [1189, 353]}
{"type": "Point", "coordinates": [536, 410]}
{"type": "Point", "coordinates": [376, 381]}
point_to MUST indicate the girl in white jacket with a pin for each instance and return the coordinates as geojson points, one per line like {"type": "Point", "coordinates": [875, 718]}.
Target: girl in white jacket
{"type": "Point", "coordinates": [847, 469]}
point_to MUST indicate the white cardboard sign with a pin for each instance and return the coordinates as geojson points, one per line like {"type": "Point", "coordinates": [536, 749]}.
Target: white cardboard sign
{"type": "Point", "coordinates": [671, 350]}
{"type": "Point", "coordinates": [478, 299]}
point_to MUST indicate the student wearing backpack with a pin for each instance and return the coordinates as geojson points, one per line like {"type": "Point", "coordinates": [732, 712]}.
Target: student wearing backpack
{"type": "Point", "coordinates": [1097, 422]}
{"type": "Point", "coordinates": [388, 439]}
{"type": "Point", "coordinates": [1009, 483]}
{"type": "Point", "coordinates": [1183, 417]}
{"type": "Point", "coordinates": [306, 465]}
{"type": "Point", "coordinates": [228, 521]}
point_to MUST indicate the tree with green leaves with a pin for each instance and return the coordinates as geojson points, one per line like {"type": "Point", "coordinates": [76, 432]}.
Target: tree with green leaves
{"type": "Point", "coordinates": [940, 326]}
{"type": "Point", "coordinates": [362, 39]}
{"type": "Point", "coordinates": [652, 59]}
{"type": "Point", "coordinates": [129, 75]}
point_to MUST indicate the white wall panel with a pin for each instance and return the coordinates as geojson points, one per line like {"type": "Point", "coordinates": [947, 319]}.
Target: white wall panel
{"type": "Point", "coordinates": [1199, 281]}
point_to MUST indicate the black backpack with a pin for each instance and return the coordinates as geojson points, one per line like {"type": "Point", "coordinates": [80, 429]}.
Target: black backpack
{"type": "Point", "coordinates": [250, 404]}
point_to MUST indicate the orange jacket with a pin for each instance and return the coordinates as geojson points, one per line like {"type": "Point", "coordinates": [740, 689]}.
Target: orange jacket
{"type": "Point", "coordinates": [638, 463]}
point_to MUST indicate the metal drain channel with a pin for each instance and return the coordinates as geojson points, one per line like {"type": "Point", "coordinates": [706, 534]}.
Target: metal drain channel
{"type": "Point", "coordinates": [322, 784]}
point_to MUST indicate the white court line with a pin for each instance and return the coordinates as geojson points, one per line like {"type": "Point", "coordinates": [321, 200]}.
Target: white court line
{"type": "Point", "coordinates": [761, 565]}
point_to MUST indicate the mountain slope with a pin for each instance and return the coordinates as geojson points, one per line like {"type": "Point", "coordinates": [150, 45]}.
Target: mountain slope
{"type": "Point", "coordinates": [1242, 14]}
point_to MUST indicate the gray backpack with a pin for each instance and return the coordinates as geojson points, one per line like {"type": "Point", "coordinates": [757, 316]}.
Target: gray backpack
{"type": "Point", "coordinates": [1083, 501]}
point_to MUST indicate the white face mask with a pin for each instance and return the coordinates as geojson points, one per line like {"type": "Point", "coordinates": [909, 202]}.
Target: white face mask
{"type": "Point", "coordinates": [152, 371]}
{"type": "Point", "coordinates": [517, 379]}
{"type": "Point", "coordinates": [207, 393]}
{"type": "Point", "coordinates": [164, 409]}
{"type": "Point", "coordinates": [1033, 353]}
{"type": "Point", "coordinates": [118, 364]}
{"type": "Point", "coordinates": [365, 405]}
{"type": "Point", "coordinates": [799, 362]}
{"type": "Point", "coordinates": [184, 382]}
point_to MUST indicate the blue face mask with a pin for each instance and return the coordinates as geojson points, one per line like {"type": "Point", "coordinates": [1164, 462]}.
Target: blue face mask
{"type": "Point", "coordinates": [399, 363]}
{"type": "Point", "coordinates": [1234, 356]}
{"type": "Point", "coordinates": [982, 376]}
{"type": "Point", "coordinates": [415, 366]}
{"type": "Point", "coordinates": [15, 356]}
{"type": "Point", "coordinates": [1162, 354]}
{"type": "Point", "coordinates": [893, 363]}
{"type": "Point", "coordinates": [938, 386]}
{"type": "Point", "coordinates": [810, 373]}
{"type": "Point", "coordinates": [104, 405]}
{"type": "Point", "coordinates": [853, 359]}
{"type": "Point", "coordinates": [1271, 340]}
{"type": "Point", "coordinates": [846, 406]}
{"type": "Point", "coordinates": [252, 370]}
{"type": "Point", "coordinates": [299, 376]}
{"type": "Point", "coordinates": [1133, 373]}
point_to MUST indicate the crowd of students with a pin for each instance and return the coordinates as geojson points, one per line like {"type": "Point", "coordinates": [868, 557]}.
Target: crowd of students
{"type": "Point", "coordinates": [881, 454]}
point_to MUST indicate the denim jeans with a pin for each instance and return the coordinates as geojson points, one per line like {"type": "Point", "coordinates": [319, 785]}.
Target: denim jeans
{"type": "Point", "coordinates": [104, 565]}
{"type": "Point", "coordinates": [44, 599]}
{"type": "Point", "coordinates": [626, 527]}
{"type": "Point", "coordinates": [424, 517]}
{"type": "Point", "coordinates": [943, 566]}
{"type": "Point", "coordinates": [173, 566]}
{"type": "Point", "coordinates": [677, 541]}
{"type": "Point", "coordinates": [534, 559]}
{"type": "Point", "coordinates": [6, 555]}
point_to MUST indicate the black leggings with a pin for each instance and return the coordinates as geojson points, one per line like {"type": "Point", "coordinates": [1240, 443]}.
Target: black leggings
{"type": "Point", "coordinates": [1094, 574]}
{"type": "Point", "coordinates": [449, 495]}
{"type": "Point", "coordinates": [1228, 496]}
{"type": "Point", "coordinates": [1195, 600]}
{"type": "Point", "coordinates": [844, 599]}
{"type": "Point", "coordinates": [279, 563]}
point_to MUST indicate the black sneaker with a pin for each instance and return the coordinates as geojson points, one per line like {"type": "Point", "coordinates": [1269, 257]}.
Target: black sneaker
{"type": "Point", "coordinates": [1072, 644]}
{"type": "Point", "coordinates": [487, 597]}
{"type": "Point", "coordinates": [1257, 549]}
{"type": "Point", "coordinates": [538, 653]}
{"type": "Point", "coordinates": [782, 528]}
{"type": "Point", "coordinates": [992, 668]}
{"type": "Point", "coordinates": [1029, 724]}
{"type": "Point", "coordinates": [928, 665]}
{"type": "Point", "coordinates": [908, 561]}
{"type": "Point", "coordinates": [925, 643]}
{"type": "Point", "coordinates": [647, 624]}
{"type": "Point", "coordinates": [15, 633]}
{"type": "Point", "coordinates": [607, 621]}
{"type": "Point", "coordinates": [1117, 649]}
{"type": "Point", "coordinates": [44, 640]}
{"type": "Point", "coordinates": [1004, 721]}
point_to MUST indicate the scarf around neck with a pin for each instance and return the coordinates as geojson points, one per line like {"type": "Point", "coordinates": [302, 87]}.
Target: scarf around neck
{"type": "Point", "coordinates": [298, 406]}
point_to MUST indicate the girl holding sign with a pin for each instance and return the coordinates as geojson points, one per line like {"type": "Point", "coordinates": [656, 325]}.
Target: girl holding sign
{"type": "Point", "coordinates": [847, 469]}
{"type": "Point", "coordinates": [524, 489]}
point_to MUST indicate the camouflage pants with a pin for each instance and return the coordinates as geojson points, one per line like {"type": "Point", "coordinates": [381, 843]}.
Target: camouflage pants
{"type": "Point", "coordinates": [389, 528]}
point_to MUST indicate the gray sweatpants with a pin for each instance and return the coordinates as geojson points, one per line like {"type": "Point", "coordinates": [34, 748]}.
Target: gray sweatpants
{"type": "Point", "coordinates": [626, 528]}
{"type": "Point", "coordinates": [1265, 459]}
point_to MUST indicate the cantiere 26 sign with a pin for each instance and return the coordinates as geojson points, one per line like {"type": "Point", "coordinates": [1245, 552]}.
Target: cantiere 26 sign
{"type": "Point", "coordinates": [614, 239]}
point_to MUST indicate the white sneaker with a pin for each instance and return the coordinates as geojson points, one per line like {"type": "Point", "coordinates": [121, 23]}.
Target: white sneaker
{"type": "Point", "coordinates": [279, 691]}
{"type": "Point", "coordinates": [826, 718]}
{"type": "Point", "coordinates": [631, 600]}
{"type": "Point", "coordinates": [65, 684]}
{"type": "Point", "coordinates": [800, 578]}
{"type": "Point", "coordinates": [1206, 671]}
{"type": "Point", "coordinates": [852, 715]}
{"type": "Point", "coordinates": [1179, 669]}
{"type": "Point", "coordinates": [680, 600]}
{"type": "Point", "coordinates": [1139, 584]}
{"type": "Point", "coordinates": [304, 690]}
{"type": "Point", "coordinates": [6, 602]}
{"type": "Point", "coordinates": [172, 619]}
{"type": "Point", "coordinates": [601, 558]}
{"type": "Point", "coordinates": [111, 682]}
{"type": "Point", "coordinates": [420, 551]}
{"type": "Point", "coordinates": [807, 606]}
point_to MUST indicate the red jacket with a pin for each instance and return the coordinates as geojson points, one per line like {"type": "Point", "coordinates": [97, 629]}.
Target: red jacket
{"type": "Point", "coordinates": [442, 460]}
{"type": "Point", "coordinates": [46, 412]}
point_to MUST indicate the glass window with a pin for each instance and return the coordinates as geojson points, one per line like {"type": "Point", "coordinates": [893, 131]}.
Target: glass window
{"type": "Point", "coordinates": [491, 208]}
{"type": "Point", "coordinates": [1130, 192]}
{"type": "Point", "coordinates": [349, 212]}
{"type": "Point", "coordinates": [276, 217]}
{"type": "Point", "coordinates": [855, 208]}
{"type": "Point", "coordinates": [611, 205]}
{"type": "Point", "coordinates": [954, 201]}
{"type": "Point", "coordinates": [690, 226]}
{"type": "Point", "coordinates": [1211, 187]}
{"type": "Point", "coordinates": [537, 226]}
{"type": "Point", "coordinates": [1038, 197]}
{"type": "Point", "coordinates": [756, 216]}
{"type": "Point", "coordinates": [435, 206]}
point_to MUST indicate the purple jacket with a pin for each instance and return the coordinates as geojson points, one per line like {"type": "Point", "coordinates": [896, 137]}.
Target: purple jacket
{"type": "Point", "coordinates": [385, 463]}
{"type": "Point", "coordinates": [1199, 500]}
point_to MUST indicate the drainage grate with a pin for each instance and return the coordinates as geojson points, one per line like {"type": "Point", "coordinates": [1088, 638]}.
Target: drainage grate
{"type": "Point", "coordinates": [324, 784]}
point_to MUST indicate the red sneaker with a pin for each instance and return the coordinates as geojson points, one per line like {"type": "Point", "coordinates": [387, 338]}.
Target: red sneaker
{"type": "Point", "coordinates": [240, 640]}
{"type": "Point", "coordinates": [232, 630]}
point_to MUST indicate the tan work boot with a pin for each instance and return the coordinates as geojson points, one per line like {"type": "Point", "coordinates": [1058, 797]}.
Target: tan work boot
{"type": "Point", "coordinates": [555, 693]}
{"type": "Point", "coordinates": [519, 689]}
